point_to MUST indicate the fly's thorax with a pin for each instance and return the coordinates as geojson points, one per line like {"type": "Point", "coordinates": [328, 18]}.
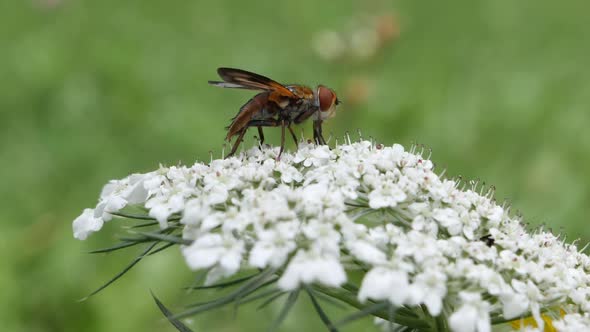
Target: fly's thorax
{"type": "Point", "coordinates": [265, 113]}
{"type": "Point", "coordinates": [298, 108]}
{"type": "Point", "coordinates": [279, 99]}
{"type": "Point", "coordinates": [301, 91]}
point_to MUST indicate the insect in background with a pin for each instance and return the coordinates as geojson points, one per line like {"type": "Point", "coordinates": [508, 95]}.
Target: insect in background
{"type": "Point", "coordinates": [277, 105]}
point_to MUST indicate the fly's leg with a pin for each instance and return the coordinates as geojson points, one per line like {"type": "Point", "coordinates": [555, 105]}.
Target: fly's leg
{"type": "Point", "coordinates": [316, 138]}
{"type": "Point", "coordinates": [305, 115]}
{"type": "Point", "coordinates": [283, 125]}
{"type": "Point", "coordinates": [274, 123]}
{"type": "Point", "coordinates": [264, 123]}
{"type": "Point", "coordinates": [317, 133]}
{"type": "Point", "coordinates": [237, 143]}
{"type": "Point", "coordinates": [261, 135]}
{"type": "Point", "coordinates": [294, 137]}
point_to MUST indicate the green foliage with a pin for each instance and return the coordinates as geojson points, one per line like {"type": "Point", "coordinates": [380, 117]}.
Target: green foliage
{"type": "Point", "coordinates": [96, 90]}
{"type": "Point", "coordinates": [174, 321]}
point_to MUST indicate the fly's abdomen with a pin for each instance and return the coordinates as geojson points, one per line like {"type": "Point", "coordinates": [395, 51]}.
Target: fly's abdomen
{"type": "Point", "coordinates": [257, 108]}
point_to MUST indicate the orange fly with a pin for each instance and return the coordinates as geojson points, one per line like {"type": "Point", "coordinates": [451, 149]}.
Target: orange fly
{"type": "Point", "coordinates": [277, 105]}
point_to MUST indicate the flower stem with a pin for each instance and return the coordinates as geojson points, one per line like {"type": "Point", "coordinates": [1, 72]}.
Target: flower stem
{"type": "Point", "coordinates": [441, 323]}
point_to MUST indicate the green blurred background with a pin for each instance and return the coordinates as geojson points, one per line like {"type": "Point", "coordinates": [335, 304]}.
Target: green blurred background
{"type": "Point", "coordinates": [95, 90]}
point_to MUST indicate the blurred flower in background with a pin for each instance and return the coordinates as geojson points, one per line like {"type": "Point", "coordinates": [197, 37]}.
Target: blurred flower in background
{"type": "Point", "coordinates": [361, 40]}
{"type": "Point", "coordinates": [358, 44]}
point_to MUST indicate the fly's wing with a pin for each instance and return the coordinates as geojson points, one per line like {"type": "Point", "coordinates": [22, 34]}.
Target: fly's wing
{"type": "Point", "coordinates": [230, 85]}
{"type": "Point", "coordinates": [241, 79]}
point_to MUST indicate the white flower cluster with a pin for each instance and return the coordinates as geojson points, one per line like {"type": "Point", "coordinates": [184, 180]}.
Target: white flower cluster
{"type": "Point", "coordinates": [420, 238]}
{"type": "Point", "coordinates": [573, 322]}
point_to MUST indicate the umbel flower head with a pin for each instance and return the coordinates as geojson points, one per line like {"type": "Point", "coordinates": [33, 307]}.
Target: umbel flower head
{"type": "Point", "coordinates": [427, 252]}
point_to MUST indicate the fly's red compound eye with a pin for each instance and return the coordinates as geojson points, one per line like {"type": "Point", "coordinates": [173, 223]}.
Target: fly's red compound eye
{"type": "Point", "coordinates": [326, 98]}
